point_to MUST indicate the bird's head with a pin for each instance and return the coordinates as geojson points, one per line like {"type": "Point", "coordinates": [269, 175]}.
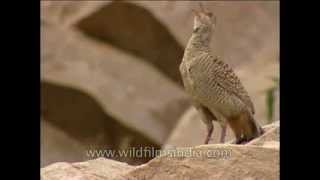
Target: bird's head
{"type": "Point", "coordinates": [204, 21]}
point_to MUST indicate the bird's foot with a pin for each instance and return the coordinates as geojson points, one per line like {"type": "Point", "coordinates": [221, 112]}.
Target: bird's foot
{"type": "Point", "coordinates": [207, 140]}
{"type": "Point", "coordinates": [243, 140]}
{"type": "Point", "coordinates": [240, 141]}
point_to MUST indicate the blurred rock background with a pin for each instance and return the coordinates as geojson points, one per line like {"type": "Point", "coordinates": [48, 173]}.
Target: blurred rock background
{"type": "Point", "coordinates": [110, 76]}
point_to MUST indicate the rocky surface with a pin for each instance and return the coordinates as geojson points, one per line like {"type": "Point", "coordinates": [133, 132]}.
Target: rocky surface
{"type": "Point", "coordinates": [245, 23]}
{"type": "Point", "coordinates": [257, 160]}
{"type": "Point", "coordinates": [270, 137]}
{"type": "Point", "coordinates": [103, 71]}
{"type": "Point", "coordinates": [142, 35]}
{"type": "Point", "coordinates": [58, 144]}
{"type": "Point", "coordinates": [66, 13]}
{"type": "Point", "coordinates": [74, 122]}
{"type": "Point", "coordinates": [244, 162]}
{"type": "Point", "coordinates": [98, 169]}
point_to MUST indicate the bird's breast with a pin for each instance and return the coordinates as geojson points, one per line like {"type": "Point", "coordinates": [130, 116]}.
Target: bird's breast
{"type": "Point", "coordinates": [188, 82]}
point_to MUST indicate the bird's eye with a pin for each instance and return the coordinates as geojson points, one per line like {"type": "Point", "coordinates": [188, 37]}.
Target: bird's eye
{"type": "Point", "coordinates": [196, 29]}
{"type": "Point", "coordinates": [210, 14]}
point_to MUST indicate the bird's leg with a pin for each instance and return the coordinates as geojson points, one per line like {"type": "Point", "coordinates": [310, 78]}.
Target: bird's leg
{"type": "Point", "coordinates": [207, 117]}
{"type": "Point", "coordinates": [241, 140]}
{"type": "Point", "coordinates": [223, 133]}
{"type": "Point", "coordinates": [210, 130]}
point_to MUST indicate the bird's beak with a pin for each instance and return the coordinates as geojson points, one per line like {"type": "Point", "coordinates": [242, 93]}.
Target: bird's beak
{"type": "Point", "coordinates": [201, 7]}
{"type": "Point", "coordinates": [194, 12]}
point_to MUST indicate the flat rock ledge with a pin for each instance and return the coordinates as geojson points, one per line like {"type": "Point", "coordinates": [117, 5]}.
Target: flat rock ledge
{"type": "Point", "coordinates": [258, 159]}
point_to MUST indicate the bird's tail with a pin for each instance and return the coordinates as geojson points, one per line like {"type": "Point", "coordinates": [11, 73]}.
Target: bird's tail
{"type": "Point", "coordinates": [256, 129]}
{"type": "Point", "coordinates": [246, 127]}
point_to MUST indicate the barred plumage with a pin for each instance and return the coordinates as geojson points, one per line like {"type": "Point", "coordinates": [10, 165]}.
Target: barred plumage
{"type": "Point", "coordinates": [221, 74]}
{"type": "Point", "coordinates": [215, 89]}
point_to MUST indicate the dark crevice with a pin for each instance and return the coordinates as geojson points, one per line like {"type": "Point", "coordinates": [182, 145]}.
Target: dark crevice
{"type": "Point", "coordinates": [137, 31]}
{"type": "Point", "coordinates": [81, 117]}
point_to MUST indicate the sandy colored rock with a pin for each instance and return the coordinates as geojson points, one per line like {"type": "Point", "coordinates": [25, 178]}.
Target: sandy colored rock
{"type": "Point", "coordinates": [73, 122]}
{"type": "Point", "coordinates": [213, 161]}
{"type": "Point", "coordinates": [126, 88]}
{"type": "Point", "coordinates": [202, 162]}
{"type": "Point", "coordinates": [272, 144]}
{"type": "Point", "coordinates": [246, 31]}
{"type": "Point", "coordinates": [250, 26]}
{"type": "Point", "coordinates": [66, 13]}
{"type": "Point", "coordinates": [137, 31]}
{"type": "Point", "coordinates": [271, 135]}
{"type": "Point", "coordinates": [238, 162]}
{"type": "Point", "coordinates": [98, 169]}
{"type": "Point", "coordinates": [56, 144]}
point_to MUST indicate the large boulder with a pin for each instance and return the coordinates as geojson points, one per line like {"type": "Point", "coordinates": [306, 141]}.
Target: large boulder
{"type": "Point", "coordinates": [132, 92]}
{"type": "Point", "coordinates": [57, 144]}
{"type": "Point", "coordinates": [242, 28]}
{"type": "Point", "coordinates": [72, 122]}
{"type": "Point", "coordinates": [258, 159]}
{"type": "Point", "coordinates": [213, 162]}
{"type": "Point", "coordinates": [98, 169]}
{"type": "Point", "coordinates": [142, 35]}
{"type": "Point", "coordinates": [270, 137]}
{"type": "Point", "coordinates": [97, 94]}
{"type": "Point", "coordinates": [66, 13]}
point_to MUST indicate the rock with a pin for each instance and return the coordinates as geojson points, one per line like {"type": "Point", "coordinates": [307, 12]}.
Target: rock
{"type": "Point", "coordinates": [157, 46]}
{"type": "Point", "coordinates": [246, 32]}
{"type": "Point", "coordinates": [57, 145]}
{"type": "Point", "coordinates": [98, 169]}
{"type": "Point", "coordinates": [60, 171]}
{"type": "Point", "coordinates": [258, 159]}
{"type": "Point", "coordinates": [153, 43]}
{"type": "Point", "coordinates": [73, 122]}
{"type": "Point", "coordinates": [66, 13]}
{"type": "Point", "coordinates": [213, 161]}
{"type": "Point", "coordinates": [271, 135]}
{"type": "Point", "coordinates": [251, 27]}
{"type": "Point", "coordinates": [127, 89]}
{"type": "Point", "coordinates": [272, 144]}
{"type": "Point", "coordinates": [86, 87]}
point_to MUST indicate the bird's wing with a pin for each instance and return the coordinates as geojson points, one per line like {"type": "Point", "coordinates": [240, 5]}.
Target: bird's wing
{"type": "Point", "coordinates": [214, 69]}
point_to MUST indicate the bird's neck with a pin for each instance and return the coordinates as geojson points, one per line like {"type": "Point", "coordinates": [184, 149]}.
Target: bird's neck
{"type": "Point", "coordinates": [198, 43]}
